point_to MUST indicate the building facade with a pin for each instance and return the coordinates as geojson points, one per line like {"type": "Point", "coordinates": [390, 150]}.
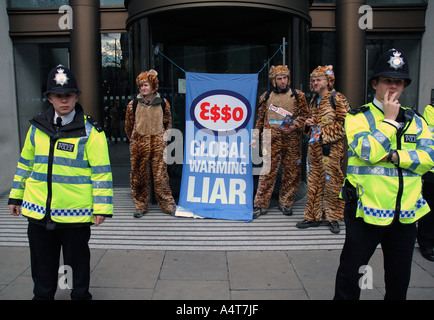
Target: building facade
{"type": "Point", "coordinates": [108, 42]}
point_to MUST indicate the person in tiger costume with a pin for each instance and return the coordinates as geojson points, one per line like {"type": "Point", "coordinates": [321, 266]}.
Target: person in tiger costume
{"type": "Point", "coordinates": [286, 142]}
{"type": "Point", "coordinates": [147, 117]}
{"type": "Point", "coordinates": [326, 149]}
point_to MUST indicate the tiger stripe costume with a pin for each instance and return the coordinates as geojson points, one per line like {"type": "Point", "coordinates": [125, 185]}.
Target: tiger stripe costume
{"type": "Point", "coordinates": [324, 174]}
{"type": "Point", "coordinates": [145, 128]}
{"type": "Point", "coordinates": [286, 148]}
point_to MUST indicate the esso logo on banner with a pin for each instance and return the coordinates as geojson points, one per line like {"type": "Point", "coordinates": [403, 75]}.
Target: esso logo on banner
{"type": "Point", "coordinates": [221, 111]}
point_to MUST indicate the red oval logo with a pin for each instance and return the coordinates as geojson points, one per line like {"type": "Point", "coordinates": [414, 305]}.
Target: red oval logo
{"type": "Point", "coordinates": [222, 111]}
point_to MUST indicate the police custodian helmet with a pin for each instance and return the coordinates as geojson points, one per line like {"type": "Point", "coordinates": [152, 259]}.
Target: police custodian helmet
{"type": "Point", "coordinates": [392, 64]}
{"type": "Point", "coordinates": [61, 80]}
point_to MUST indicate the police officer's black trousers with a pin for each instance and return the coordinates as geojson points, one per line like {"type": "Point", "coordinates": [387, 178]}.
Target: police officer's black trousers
{"type": "Point", "coordinates": [45, 247]}
{"type": "Point", "coordinates": [397, 242]}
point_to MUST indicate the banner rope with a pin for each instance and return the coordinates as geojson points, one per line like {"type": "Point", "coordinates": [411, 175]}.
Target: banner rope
{"type": "Point", "coordinates": [157, 51]}
{"type": "Point", "coordinates": [277, 51]}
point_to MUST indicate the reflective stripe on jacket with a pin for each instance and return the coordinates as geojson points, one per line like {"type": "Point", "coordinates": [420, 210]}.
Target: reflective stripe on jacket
{"type": "Point", "coordinates": [383, 187]}
{"type": "Point", "coordinates": [65, 174]}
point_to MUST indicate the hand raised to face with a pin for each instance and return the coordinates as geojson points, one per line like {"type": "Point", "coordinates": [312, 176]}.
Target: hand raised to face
{"type": "Point", "coordinates": [391, 105]}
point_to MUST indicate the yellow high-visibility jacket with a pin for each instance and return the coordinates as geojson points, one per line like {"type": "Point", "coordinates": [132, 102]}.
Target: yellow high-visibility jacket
{"type": "Point", "coordinates": [387, 189]}
{"type": "Point", "coordinates": [428, 115]}
{"type": "Point", "coordinates": [65, 175]}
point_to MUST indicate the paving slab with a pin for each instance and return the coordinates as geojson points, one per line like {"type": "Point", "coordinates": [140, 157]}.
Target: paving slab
{"type": "Point", "coordinates": [135, 269]}
{"type": "Point", "coordinates": [194, 265]}
{"type": "Point", "coordinates": [261, 270]}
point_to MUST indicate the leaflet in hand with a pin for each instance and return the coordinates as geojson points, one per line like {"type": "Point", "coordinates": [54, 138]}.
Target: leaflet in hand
{"type": "Point", "coordinates": [315, 133]}
{"type": "Point", "coordinates": [287, 122]}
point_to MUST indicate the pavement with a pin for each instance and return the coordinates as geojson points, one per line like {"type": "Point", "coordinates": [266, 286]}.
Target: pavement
{"type": "Point", "coordinates": [211, 275]}
{"type": "Point", "coordinates": [119, 274]}
{"type": "Point", "coordinates": [161, 258]}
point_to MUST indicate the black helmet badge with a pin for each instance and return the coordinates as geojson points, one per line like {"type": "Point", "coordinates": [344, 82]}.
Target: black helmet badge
{"type": "Point", "coordinates": [60, 77]}
{"type": "Point", "coordinates": [396, 61]}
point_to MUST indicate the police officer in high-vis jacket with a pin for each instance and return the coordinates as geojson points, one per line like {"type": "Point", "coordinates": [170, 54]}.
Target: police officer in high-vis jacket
{"type": "Point", "coordinates": [425, 231]}
{"type": "Point", "coordinates": [62, 185]}
{"type": "Point", "coordinates": [389, 148]}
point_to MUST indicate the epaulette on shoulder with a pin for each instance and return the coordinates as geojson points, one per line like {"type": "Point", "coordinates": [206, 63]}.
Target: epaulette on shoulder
{"type": "Point", "coordinates": [95, 123]}
{"type": "Point", "coordinates": [419, 114]}
{"type": "Point", "coordinates": [359, 109]}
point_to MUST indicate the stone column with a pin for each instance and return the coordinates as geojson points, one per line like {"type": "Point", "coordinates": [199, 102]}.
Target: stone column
{"type": "Point", "coordinates": [86, 55]}
{"type": "Point", "coordinates": [350, 51]}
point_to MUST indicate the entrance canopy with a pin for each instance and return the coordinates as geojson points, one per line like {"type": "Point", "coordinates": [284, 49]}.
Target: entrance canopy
{"type": "Point", "coordinates": [138, 9]}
